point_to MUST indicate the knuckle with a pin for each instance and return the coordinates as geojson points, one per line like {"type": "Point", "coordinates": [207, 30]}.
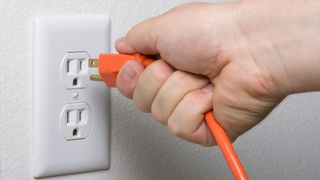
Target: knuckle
{"type": "Point", "coordinates": [198, 102]}
{"type": "Point", "coordinates": [160, 71]}
{"type": "Point", "coordinates": [140, 100]}
{"type": "Point", "coordinates": [194, 97]}
{"type": "Point", "coordinates": [186, 80]}
{"type": "Point", "coordinates": [180, 78]}
{"type": "Point", "coordinates": [158, 115]}
{"type": "Point", "coordinates": [176, 128]}
{"type": "Point", "coordinates": [139, 104]}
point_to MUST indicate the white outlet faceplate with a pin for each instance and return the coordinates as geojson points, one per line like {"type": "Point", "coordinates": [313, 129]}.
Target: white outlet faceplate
{"type": "Point", "coordinates": [70, 113]}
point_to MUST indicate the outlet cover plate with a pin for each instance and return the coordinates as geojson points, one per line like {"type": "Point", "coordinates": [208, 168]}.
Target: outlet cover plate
{"type": "Point", "coordinates": [53, 39]}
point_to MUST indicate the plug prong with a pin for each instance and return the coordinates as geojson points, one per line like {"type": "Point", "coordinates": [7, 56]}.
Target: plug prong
{"type": "Point", "coordinates": [93, 63]}
{"type": "Point", "coordinates": [96, 77]}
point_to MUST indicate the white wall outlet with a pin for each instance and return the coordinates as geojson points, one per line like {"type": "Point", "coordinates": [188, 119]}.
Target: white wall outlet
{"type": "Point", "coordinates": [71, 113]}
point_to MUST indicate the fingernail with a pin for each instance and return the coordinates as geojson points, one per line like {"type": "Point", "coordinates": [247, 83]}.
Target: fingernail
{"type": "Point", "coordinates": [128, 72]}
{"type": "Point", "coordinates": [119, 41]}
{"type": "Point", "coordinates": [208, 88]}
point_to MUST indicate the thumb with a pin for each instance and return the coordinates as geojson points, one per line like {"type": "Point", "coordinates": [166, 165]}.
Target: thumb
{"type": "Point", "coordinates": [122, 46]}
{"type": "Point", "coordinates": [142, 38]}
{"type": "Point", "coordinates": [128, 76]}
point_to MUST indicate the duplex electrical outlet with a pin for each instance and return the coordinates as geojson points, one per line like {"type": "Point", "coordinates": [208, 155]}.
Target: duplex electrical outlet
{"type": "Point", "coordinates": [70, 112]}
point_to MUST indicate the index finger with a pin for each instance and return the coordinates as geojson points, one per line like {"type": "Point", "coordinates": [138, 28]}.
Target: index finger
{"type": "Point", "coordinates": [142, 38]}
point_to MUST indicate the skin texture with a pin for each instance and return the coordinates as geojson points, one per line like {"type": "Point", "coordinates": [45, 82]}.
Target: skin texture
{"type": "Point", "coordinates": [239, 59]}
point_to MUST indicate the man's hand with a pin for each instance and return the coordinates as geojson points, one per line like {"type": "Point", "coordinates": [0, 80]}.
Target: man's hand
{"type": "Point", "coordinates": [239, 59]}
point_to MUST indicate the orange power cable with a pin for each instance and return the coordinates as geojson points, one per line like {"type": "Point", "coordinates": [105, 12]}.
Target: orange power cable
{"type": "Point", "coordinates": [226, 148]}
{"type": "Point", "coordinates": [109, 66]}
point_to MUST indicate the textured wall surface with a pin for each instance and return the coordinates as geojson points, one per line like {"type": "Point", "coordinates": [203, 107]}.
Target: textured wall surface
{"type": "Point", "coordinates": [284, 146]}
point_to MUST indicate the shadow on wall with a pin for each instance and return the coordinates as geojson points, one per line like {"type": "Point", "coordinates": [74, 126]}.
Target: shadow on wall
{"type": "Point", "coordinates": [144, 149]}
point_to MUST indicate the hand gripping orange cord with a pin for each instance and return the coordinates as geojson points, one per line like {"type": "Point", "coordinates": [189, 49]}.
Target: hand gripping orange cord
{"type": "Point", "coordinates": [109, 66]}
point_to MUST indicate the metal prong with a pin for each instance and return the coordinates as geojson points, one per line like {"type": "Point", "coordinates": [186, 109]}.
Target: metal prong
{"type": "Point", "coordinates": [95, 77]}
{"type": "Point", "coordinates": [93, 63]}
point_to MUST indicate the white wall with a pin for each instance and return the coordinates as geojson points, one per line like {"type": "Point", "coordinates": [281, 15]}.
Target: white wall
{"type": "Point", "coordinates": [285, 146]}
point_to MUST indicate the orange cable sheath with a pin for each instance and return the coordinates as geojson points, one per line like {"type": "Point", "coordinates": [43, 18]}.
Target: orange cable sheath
{"type": "Point", "coordinates": [109, 66]}
{"type": "Point", "coordinates": [226, 147]}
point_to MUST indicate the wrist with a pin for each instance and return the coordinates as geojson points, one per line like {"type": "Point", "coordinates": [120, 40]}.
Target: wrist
{"type": "Point", "coordinates": [301, 56]}
{"type": "Point", "coordinates": [286, 43]}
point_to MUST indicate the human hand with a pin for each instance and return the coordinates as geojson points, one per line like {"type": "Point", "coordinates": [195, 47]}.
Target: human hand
{"type": "Point", "coordinates": [239, 59]}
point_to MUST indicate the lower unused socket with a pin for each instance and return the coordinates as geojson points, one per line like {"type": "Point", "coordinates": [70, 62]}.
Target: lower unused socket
{"type": "Point", "coordinates": [76, 121]}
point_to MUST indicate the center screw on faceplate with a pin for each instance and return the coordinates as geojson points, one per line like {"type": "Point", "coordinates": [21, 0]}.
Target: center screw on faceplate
{"type": "Point", "coordinates": [75, 96]}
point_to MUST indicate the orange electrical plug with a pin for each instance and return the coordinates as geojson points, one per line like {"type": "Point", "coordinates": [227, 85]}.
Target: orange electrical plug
{"type": "Point", "coordinates": [109, 66]}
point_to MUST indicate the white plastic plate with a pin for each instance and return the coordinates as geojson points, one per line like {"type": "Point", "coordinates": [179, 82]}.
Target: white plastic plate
{"type": "Point", "coordinates": [70, 112]}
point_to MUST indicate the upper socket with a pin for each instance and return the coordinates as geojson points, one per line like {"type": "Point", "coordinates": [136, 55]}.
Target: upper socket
{"type": "Point", "coordinates": [74, 71]}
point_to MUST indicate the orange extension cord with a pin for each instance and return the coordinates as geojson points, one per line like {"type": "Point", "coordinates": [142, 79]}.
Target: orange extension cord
{"type": "Point", "coordinates": [225, 145]}
{"type": "Point", "coordinates": [109, 66]}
